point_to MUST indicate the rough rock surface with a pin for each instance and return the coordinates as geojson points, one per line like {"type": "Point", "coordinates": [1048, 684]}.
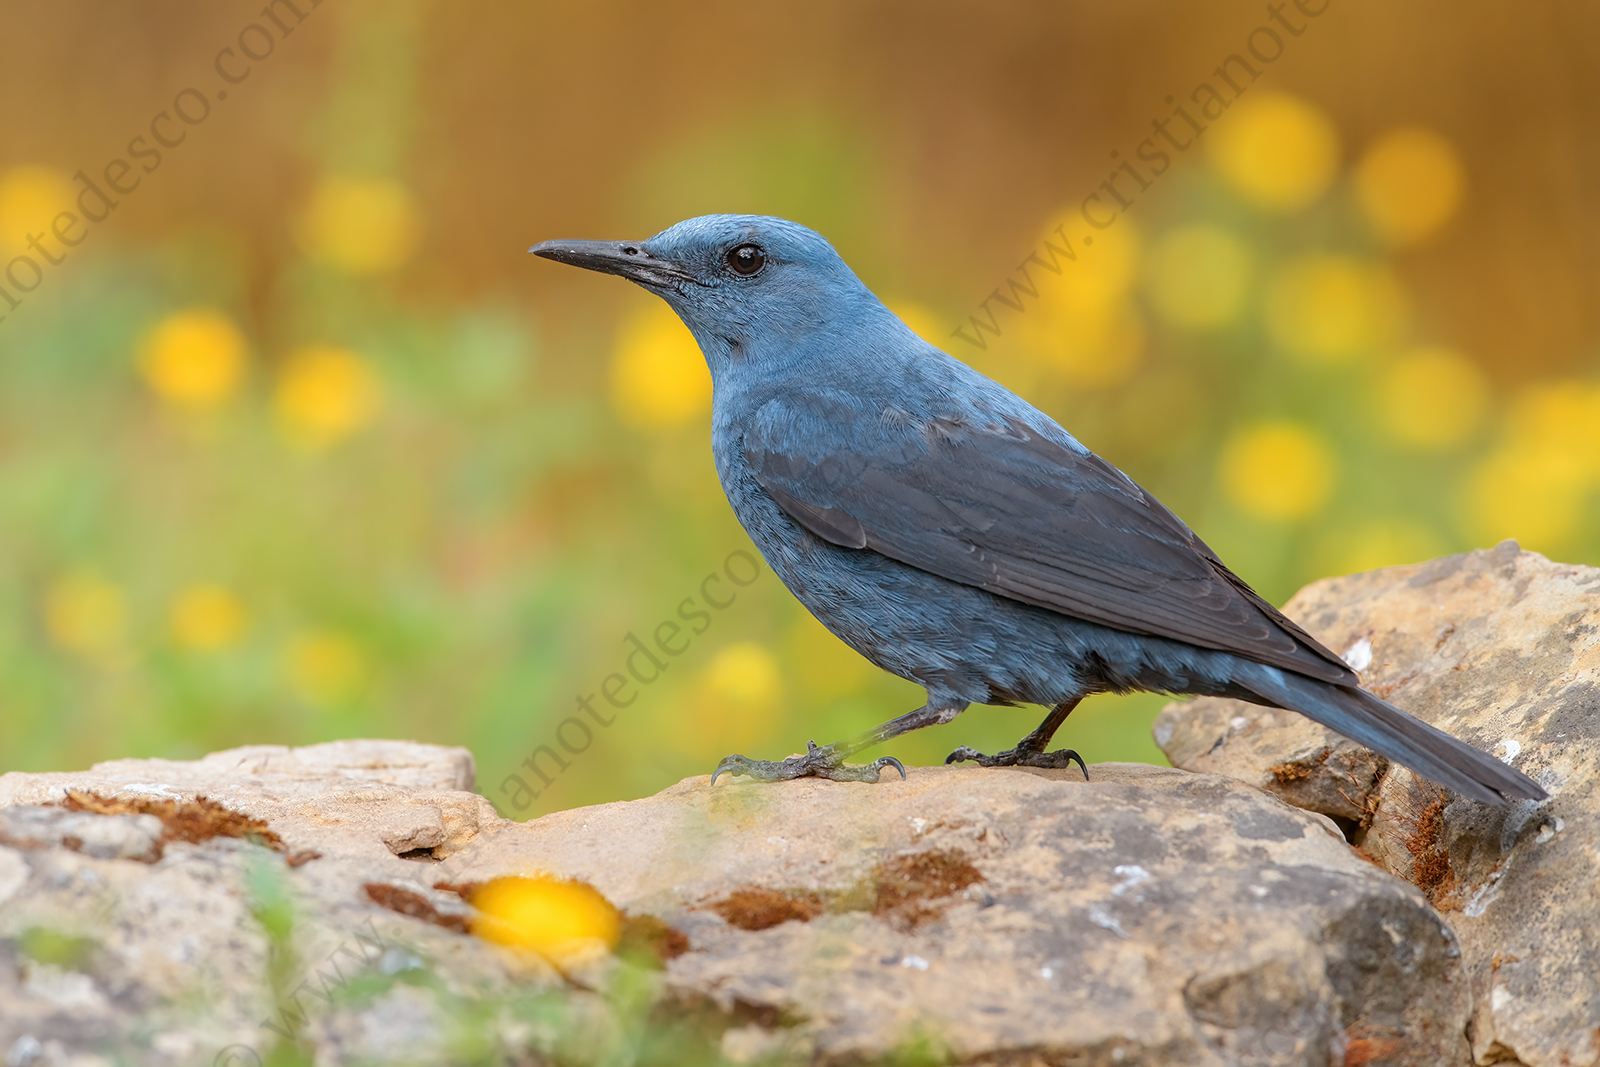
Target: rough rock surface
{"type": "Point", "coordinates": [122, 942]}
{"type": "Point", "coordinates": [1149, 916]}
{"type": "Point", "coordinates": [1502, 649]}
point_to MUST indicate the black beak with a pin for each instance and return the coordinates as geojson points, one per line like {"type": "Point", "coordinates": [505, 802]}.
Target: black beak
{"type": "Point", "coordinates": [627, 259]}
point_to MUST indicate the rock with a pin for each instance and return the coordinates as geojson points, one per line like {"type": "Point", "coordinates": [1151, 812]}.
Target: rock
{"type": "Point", "coordinates": [1148, 916]}
{"type": "Point", "coordinates": [1502, 649]}
{"type": "Point", "coordinates": [118, 837]}
{"type": "Point", "coordinates": [374, 799]}
{"type": "Point", "coordinates": [155, 938]}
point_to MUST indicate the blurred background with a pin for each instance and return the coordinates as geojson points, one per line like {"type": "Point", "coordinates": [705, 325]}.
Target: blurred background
{"type": "Point", "coordinates": [297, 443]}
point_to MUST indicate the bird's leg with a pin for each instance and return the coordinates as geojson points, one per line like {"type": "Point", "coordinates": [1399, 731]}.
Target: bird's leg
{"type": "Point", "coordinates": [1030, 750]}
{"type": "Point", "coordinates": [828, 762]}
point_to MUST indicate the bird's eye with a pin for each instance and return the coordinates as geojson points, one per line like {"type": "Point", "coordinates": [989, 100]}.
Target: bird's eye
{"type": "Point", "coordinates": [747, 259]}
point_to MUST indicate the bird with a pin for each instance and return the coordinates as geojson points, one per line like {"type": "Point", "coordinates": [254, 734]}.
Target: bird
{"type": "Point", "coordinates": [955, 535]}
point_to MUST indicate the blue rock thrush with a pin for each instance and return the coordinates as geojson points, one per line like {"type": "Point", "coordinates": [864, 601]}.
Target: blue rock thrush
{"type": "Point", "coordinates": [954, 535]}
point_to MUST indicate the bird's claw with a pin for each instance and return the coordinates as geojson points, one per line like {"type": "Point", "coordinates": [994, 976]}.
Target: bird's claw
{"type": "Point", "coordinates": [818, 762]}
{"type": "Point", "coordinates": [1060, 759]}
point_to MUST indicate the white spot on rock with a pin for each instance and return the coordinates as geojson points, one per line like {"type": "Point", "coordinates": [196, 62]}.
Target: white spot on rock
{"type": "Point", "coordinates": [1550, 829]}
{"type": "Point", "coordinates": [1359, 655]}
{"type": "Point", "coordinates": [1106, 921]}
{"type": "Point", "coordinates": [1513, 749]}
{"type": "Point", "coordinates": [1500, 998]}
{"type": "Point", "coordinates": [915, 963]}
{"type": "Point", "coordinates": [1131, 874]}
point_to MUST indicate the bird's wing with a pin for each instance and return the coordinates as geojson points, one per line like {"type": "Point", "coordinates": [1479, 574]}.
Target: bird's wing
{"type": "Point", "coordinates": [1010, 511]}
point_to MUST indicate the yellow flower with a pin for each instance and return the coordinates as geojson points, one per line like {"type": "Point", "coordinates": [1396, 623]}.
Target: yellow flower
{"type": "Point", "coordinates": [567, 922]}
{"type": "Point", "coordinates": [1559, 418]}
{"type": "Point", "coordinates": [325, 394]}
{"type": "Point", "coordinates": [826, 666]}
{"type": "Point", "coordinates": [1409, 183]}
{"type": "Point", "coordinates": [1328, 309]}
{"type": "Point", "coordinates": [194, 360]}
{"type": "Point", "coordinates": [1100, 276]}
{"type": "Point", "coordinates": [736, 701]}
{"type": "Point", "coordinates": [1535, 484]}
{"type": "Point", "coordinates": [84, 613]}
{"type": "Point", "coordinates": [30, 199]}
{"type": "Point", "coordinates": [1534, 494]}
{"type": "Point", "coordinates": [1278, 151]}
{"type": "Point", "coordinates": [1432, 398]}
{"type": "Point", "coordinates": [1091, 348]}
{"type": "Point", "coordinates": [744, 673]}
{"type": "Point", "coordinates": [659, 378]}
{"type": "Point", "coordinates": [1383, 542]}
{"type": "Point", "coordinates": [325, 668]}
{"type": "Point", "coordinates": [207, 618]}
{"type": "Point", "coordinates": [920, 319]}
{"type": "Point", "coordinates": [362, 226]}
{"type": "Point", "coordinates": [1199, 275]}
{"type": "Point", "coordinates": [1278, 470]}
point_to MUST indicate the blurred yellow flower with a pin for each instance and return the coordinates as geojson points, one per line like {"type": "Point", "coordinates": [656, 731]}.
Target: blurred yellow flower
{"type": "Point", "coordinates": [1198, 276]}
{"type": "Point", "coordinates": [1278, 151]}
{"type": "Point", "coordinates": [325, 668]}
{"type": "Point", "coordinates": [1081, 329]}
{"type": "Point", "coordinates": [1278, 470]}
{"type": "Point", "coordinates": [919, 318]}
{"type": "Point", "coordinates": [1533, 494]}
{"type": "Point", "coordinates": [659, 378]}
{"type": "Point", "coordinates": [207, 618]}
{"type": "Point", "coordinates": [1409, 183]}
{"type": "Point", "coordinates": [1380, 542]}
{"type": "Point", "coordinates": [30, 199]}
{"type": "Point", "coordinates": [1328, 309]}
{"type": "Point", "coordinates": [363, 226]}
{"type": "Point", "coordinates": [1432, 398]}
{"type": "Point", "coordinates": [1101, 275]}
{"type": "Point", "coordinates": [1561, 419]}
{"type": "Point", "coordinates": [1535, 484]}
{"type": "Point", "coordinates": [1090, 348]}
{"type": "Point", "coordinates": [745, 674]}
{"type": "Point", "coordinates": [325, 394]}
{"type": "Point", "coordinates": [84, 613]}
{"type": "Point", "coordinates": [567, 922]}
{"type": "Point", "coordinates": [736, 700]}
{"type": "Point", "coordinates": [826, 667]}
{"type": "Point", "coordinates": [194, 360]}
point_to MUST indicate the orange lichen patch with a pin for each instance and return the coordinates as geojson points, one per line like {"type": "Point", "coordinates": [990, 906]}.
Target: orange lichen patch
{"type": "Point", "coordinates": [1359, 1051]}
{"type": "Point", "coordinates": [900, 891]}
{"type": "Point", "coordinates": [413, 905]}
{"type": "Point", "coordinates": [759, 908]}
{"type": "Point", "coordinates": [194, 821]}
{"type": "Point", "coordinates": [1419, 822]}
{"type": "Point", "coordinates": [906, 886]}
{"type": "Point", "coordinates": [1298, 769]}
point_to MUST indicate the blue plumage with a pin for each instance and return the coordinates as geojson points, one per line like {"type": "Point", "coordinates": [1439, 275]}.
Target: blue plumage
{"type": "Point", "coordinates": [956, 536]}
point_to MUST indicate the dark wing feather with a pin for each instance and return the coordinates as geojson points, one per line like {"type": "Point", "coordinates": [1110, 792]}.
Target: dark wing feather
{"type": "Point", "coordinates": [1020, 515]}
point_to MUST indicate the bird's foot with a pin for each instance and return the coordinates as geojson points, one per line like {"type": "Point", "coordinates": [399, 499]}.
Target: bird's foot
{"type": "Point", "coordinates": [1021, 756]}
{"type": "Point", "coordinates": [818, 762]}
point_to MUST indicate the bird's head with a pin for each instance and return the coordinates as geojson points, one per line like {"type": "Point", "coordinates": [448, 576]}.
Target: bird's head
{"type": "Point", "coordinates": [752, 288]}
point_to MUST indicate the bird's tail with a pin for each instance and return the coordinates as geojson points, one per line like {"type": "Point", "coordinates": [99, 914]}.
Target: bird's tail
{"type": "Point", "coordinates": [1404, 739]}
